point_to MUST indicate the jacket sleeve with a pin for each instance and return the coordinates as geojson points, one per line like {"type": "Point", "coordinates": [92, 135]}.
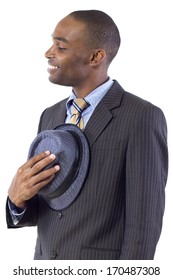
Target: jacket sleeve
{"type": "Point", "coordinates": [146, 175]}
{"type": "Point", "coordinates": [29, 218]}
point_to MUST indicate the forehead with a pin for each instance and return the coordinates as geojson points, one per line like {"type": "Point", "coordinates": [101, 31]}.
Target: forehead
{"type": "Point", "coordinates": [69, 29]}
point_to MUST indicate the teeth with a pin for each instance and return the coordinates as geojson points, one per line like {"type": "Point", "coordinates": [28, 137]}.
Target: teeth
{"type": "Point", "coordinates": [52, 67]}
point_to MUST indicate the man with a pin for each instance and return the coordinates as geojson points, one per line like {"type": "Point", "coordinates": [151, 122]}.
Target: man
{"type": "Point", "coordinates": [119, 212]}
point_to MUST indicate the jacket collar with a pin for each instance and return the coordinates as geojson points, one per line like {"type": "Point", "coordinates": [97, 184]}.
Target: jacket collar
{"type": "Point", "coordinates": [101, 116]}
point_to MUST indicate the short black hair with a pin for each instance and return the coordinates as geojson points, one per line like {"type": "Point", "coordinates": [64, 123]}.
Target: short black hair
{"type": "Point", "coordinates": [102, 30]}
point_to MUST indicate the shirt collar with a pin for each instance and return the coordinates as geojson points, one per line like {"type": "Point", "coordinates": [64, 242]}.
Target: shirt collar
{"type": "Point", "coordinates": [94, 96]}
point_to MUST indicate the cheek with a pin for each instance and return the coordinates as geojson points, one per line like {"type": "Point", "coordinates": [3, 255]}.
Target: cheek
{"type": "Point", "coordinates": [75, 67]}
{"type": "Point", "coordinates": [77, 59]}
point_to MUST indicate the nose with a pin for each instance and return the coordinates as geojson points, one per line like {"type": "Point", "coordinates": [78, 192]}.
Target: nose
{"type": "Point", "coordinates": [49, 53]}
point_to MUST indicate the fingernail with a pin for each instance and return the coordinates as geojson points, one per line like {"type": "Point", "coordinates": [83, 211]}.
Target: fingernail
{"type": "Point", "coordinates": [57, 167]}
{"type": "Point", "coordinates": [47, 152]}
{"type": "Point", "coordinates": [52, 156]}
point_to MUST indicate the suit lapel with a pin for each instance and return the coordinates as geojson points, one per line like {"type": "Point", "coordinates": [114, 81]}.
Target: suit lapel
{"type": "Point", "coordinates": [59, 115]}
{"type": "Point", "coordinates": [102, 115]}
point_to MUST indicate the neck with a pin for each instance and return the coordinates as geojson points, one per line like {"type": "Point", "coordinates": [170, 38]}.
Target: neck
{"type": "Point", "coordinates": [84, 90]}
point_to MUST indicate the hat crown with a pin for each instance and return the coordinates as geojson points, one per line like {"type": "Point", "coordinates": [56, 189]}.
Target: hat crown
{"type": "Point", "coordinates": [65, 147]}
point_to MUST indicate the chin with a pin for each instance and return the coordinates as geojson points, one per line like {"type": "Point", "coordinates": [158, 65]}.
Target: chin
{"type": "Point", "coordinates": [59, 82]}
{"type": "Point", "coordinates": [53, 81]}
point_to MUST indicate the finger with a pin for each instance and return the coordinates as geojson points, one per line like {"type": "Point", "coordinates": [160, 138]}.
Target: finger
{"type": "Point", "coordinates": [44, 175]}
{"type": "Point", "coordinates": [32, 161]}
{"type": "Point", "coordinates": [43, 183]}
{"type": "Point", "coordinates": [40, 165]}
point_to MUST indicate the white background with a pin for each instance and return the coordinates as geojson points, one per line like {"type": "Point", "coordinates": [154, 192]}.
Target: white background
{"type": "Point", "coordinates": [143, 66]}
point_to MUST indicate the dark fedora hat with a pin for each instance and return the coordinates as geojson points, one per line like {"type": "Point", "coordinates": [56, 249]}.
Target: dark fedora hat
{"type": "Point", "coordinates": [71, 148]}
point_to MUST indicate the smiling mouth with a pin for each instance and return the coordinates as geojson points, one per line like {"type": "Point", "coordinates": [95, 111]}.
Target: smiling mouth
{"type": "Point", "coordinates": [52, 69]}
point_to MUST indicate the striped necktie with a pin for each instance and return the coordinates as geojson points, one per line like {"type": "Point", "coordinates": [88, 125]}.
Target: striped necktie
{"type": "Point", "coordinates": [78, 106]}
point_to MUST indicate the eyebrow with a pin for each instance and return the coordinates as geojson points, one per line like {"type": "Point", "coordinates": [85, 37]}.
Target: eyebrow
{"type": "Point", "coordinates": [62, 39]}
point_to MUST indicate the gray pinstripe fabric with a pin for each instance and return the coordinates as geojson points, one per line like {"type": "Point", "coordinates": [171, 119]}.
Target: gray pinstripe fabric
{"type": "Point", "coordinates": [118, 214]}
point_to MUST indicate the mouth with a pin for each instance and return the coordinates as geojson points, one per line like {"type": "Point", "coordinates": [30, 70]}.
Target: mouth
{"type": "Point", "coordinates": [52, 69]}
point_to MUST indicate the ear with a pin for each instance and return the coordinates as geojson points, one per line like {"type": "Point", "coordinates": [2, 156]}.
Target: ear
{"type": "Point", "coordinates": [97, 57]}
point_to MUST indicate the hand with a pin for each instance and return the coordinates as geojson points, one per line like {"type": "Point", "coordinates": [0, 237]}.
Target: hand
{"type": "Point", "coordinates": [29, 178]}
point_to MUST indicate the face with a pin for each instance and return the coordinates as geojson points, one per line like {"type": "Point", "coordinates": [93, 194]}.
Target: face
{"type": "Point", "coordinates": [69, 57]}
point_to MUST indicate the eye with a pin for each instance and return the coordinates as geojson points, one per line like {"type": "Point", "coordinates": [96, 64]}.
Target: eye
{"type": "Point", "coordinates": [61, 49]}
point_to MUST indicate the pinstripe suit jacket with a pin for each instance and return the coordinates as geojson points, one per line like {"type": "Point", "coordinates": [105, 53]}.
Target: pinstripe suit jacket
{"type": "Point", "coordinates": [118, 214]}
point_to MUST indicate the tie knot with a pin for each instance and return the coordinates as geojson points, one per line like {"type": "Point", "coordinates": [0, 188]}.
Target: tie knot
{"type": "Point", "coordinates": [79, 105]}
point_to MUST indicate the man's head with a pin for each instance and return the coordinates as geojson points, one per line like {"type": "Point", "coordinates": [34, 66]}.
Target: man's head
{"type": "Point", "coordinates": [84, 44]}
{"type": "Point", "coordinates": [100, 31]}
